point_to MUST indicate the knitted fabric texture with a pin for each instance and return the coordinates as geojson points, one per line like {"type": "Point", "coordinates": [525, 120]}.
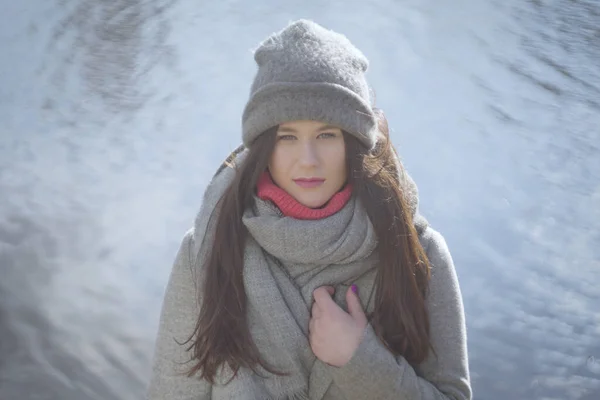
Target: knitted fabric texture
{"type": "Point", "coordinates": [290, 258]}
{"type": "Point", "coordinates": [307, 72]}
{"type": "Point", "coordinates": [267, 190]}
{"type": "Point", "coordinates": [285, 259]}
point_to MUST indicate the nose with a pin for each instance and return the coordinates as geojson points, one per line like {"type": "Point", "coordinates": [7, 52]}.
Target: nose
{"type": "Point", "coordinates": [309, 156]}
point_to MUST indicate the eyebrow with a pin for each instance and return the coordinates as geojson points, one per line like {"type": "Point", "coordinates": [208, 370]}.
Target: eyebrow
{"type": "Point", "coordinates": [292, 130]}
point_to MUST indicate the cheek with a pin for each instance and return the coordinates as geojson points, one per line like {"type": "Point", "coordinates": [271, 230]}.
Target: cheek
{"type": "Point", "coordinates": [277, 163]}
{"type": "Point", "coordinates": [342, 163]}
{"type": "Point", "coordinates": [339, 162]}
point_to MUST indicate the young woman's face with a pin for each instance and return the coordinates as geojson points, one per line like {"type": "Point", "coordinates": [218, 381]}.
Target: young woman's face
{"type": "Point", "coordinates": [309, 161]}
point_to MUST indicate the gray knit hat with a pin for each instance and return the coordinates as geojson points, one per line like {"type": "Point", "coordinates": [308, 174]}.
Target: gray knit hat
{"type": "Point", "coordinates": [307, 72]}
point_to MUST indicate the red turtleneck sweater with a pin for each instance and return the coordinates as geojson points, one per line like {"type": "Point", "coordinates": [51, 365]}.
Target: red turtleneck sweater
{"type": "Point", "coordinates": [290, 207]}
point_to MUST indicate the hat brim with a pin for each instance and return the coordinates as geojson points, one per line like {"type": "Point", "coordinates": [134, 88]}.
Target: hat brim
{"type": "Point", "coordinates": [334, 104]}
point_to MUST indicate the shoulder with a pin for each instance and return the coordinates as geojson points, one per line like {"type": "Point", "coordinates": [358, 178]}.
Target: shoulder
{"type": "Point", "coordinates": [206, 218]}
{"type": "Point", "coordinates": [443, 273]}
{"type": "Point", "coordinates": [185, 254]}
{"type": "Point", "coordinates": [187, 243]}
{"type": "Point", "coordinates": [435, 245]}
{"type": "Point", "coordinates": [185, 257]}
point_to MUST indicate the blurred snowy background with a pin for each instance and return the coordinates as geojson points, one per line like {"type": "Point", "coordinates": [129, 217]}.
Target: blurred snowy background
{"type": "Point", "coordinates": [115, 114]}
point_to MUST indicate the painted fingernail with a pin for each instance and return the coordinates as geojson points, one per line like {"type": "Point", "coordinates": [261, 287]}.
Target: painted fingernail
{"type": "Point", "coordinates": [355, 289]}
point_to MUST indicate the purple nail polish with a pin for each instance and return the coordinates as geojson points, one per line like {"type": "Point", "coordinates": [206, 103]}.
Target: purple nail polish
{"type": "Point", "coordinates": [355, 289]}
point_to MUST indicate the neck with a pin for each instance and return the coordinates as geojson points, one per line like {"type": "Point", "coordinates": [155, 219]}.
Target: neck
{"type": "Point", "coordinates": [290, 207]}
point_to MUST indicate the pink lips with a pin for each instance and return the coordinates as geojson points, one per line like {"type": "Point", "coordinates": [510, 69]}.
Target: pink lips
{"type": "Point", "coordinates": [309, 182]}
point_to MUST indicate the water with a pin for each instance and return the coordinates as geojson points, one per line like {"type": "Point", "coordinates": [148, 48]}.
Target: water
{"type": "Point", "coordinates": [113, 115]}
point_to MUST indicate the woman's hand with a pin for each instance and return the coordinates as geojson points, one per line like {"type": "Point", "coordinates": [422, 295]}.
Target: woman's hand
{"type": "Point", "coordinates": [334, 333]}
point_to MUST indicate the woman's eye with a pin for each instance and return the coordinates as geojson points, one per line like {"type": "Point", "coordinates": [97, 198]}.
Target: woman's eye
{"type": "Point", "coordinates": [328, 135]}
{"type": "Point", "coordinates": [286, 137]}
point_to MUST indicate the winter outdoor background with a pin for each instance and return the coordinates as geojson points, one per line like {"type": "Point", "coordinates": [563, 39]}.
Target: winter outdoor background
{"type": "Point", "coordinates": [114, 115]}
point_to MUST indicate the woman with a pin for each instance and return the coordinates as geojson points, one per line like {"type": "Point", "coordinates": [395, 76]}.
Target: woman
{"type": "Point", "coordinates": [309, 273]}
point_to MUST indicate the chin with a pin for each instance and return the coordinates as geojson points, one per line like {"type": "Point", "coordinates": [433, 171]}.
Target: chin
{"type": "Point", "coordinates": [312, 202]}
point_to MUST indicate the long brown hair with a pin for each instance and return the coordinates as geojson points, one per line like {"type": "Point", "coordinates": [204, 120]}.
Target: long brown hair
{"type": "Point", "coordinates": [400, 319]}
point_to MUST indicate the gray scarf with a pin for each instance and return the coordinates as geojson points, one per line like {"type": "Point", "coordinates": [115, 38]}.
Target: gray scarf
{"type": "Point", "coordinates": [285, 261]}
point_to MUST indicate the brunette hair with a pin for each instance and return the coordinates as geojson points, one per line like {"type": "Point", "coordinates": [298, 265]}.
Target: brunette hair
{"type": "Point", "coordinates": [399, 318]}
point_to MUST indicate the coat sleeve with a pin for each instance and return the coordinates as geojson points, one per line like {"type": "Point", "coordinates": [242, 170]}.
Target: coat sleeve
{"type": "Point", "coordinates": [374, 373]}
{"type": "Point", "coordinates": [178, 317]}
